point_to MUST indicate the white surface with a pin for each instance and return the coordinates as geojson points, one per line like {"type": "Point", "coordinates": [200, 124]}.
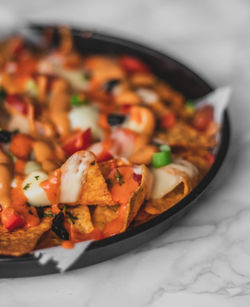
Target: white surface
{"type": "Point", "coordinates": [204, 259]}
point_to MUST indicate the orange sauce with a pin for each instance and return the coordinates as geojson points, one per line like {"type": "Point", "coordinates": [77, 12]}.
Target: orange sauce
{"type": "Point", "coordinates": [19, 203]}
{"type": "Point", "coordinates": [77, 236]}
{"type": "Point", "coordinates": [67, 244]}
{"type": "Point", "coordinates": [117, 224]}
{"type": "Point", "coordinates": [20, 166]}
{"type": "Point", "coordinates": [52, 186]}
{"type": "Point", "coordinates": [121, 192]}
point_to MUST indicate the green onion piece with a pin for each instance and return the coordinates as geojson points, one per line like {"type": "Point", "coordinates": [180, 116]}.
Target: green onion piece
{"type": "Point", "coordinates": [31, 88]}
{"type": "Point", "coordinates": [190, 104]}
{"type": "Point", "coordinates": [77, 101]}
{"type": "Point", "coordinates": [165, 147]}
{"type": "Point", "coordinates": [161, 159]}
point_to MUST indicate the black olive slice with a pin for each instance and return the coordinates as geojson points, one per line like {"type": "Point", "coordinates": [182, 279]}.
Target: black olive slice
{"type": "Point", "coordinates": [110, 84]}
{"type": "Point", "coordinates": [58, 226]}
{"type": "Point", "coordinates": [115, 119]}
{"type": "Point", "coordinates": [5, 136]}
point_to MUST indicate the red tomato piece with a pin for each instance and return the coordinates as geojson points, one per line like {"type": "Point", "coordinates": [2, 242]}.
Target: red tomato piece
{"type": "Point", "coordinates": [203, 117]}
{"type": "Point", "coordinates": [168, 120]}
{"type": "Point", "coordinates": [18, 103]}
{"type": "Point", "coordinates": [125, 108]}
{"type": "Point", "coordinates": [132, 65]}
{"type": "Point", "coordinates": [11, 220]}
{"type": "Point", "coordinates": [104, 156]}
{"type": "Point", "coordinates": [79, 141]}
{"type": "Point", "coordinates": [210, 158]}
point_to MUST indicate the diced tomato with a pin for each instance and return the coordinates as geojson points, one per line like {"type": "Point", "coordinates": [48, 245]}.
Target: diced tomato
{"type": "Point", "coordinates": [18, 103]}
{"type": "Point", "coordinates": [104, 156]}
{"type": "Point", "coordinates": [125, 108]}
{"type": "Point", "coordinates": [210, 158]}
{"type": "Point", "coordinates": [16, 45]}
{"type": "Point", "coordinates": [168, 120]}
{"type": "Point", "coordinates": [132, 65]}
{"type": "Point", "coordinates": [137, 178]}
{"type": "Point", "coordinates": [203, 117]}
{"type": "Point", "coordinates": [11, 220]}
{"type": "Point", "coordinates": [21, 145]}
{"type": "Point", "coordinates": [79, 141]}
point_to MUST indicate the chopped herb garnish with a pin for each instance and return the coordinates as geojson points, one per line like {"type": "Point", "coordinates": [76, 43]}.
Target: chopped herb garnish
{"type": "Point", "coordinates": [26, 187]}
{"type": "Point", "coordinates": [72, 217]}
{"type": "Point", "coordinates": [15, 131]}
{"type": "Point", "coordinates": [109, 183]}
{"type": "Point", "coordinates": [49, 214]}
{"type": "Point", "coordinates": [119, 178]}
{"type": "Point", "coordinates": [78, 100]}
{"type": "Point", "coordinates": [13, 157]}
{"type": "Point", "coordinates": [37, 177]}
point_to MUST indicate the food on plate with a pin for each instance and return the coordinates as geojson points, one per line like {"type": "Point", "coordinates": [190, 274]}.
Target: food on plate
{"type": "Point", "coordinates": [91, 145]}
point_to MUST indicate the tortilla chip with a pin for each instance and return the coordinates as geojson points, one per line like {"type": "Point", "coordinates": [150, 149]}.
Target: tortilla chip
{"type": "Point", "coordinates": [104, 215]}
{"type": "Point", "coordinates": [22, 241]}
{"type": "Point", "coordinates": [107, 166]}
{"type": "Point", "coordinates": [81, 218]}
{"type": "Point", "coordinates": [187, 180]}
{"type": "Point", "coordinates": [158, 206]}
{"type": "Point", "coordinates": [142, 217]}
{"type": "Point", "coordinates": [95, 190]}
{"type": "Point", "coordinates": [184, 135]}
{"type": "Point", "coordinates": [198, 158]}
{"type": "Point", "coordinates": [49, 239]}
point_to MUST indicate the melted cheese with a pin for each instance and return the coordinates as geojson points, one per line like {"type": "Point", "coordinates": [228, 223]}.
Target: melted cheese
{"type": "Point", "coordinates": [85, 117]}
{"type": "Point", "coordinates": [32, 166]}
{"type": "Point", "coordinates": [148, 96]}
{"type": "Point", "coordinates": [165, 179]}
{"type": "Point", "coordinates": [73, 176]}
{"type": "Point", "coordinates": [35, 195]}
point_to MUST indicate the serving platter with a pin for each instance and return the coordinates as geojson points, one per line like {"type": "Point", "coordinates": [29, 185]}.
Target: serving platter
{"type": "Point", "coordinates": [182, 79]}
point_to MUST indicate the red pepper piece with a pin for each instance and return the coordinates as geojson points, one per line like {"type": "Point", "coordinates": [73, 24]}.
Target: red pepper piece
{"type": "Point", "coordinates": [168, 120]}
{"type": "Point", "coordinates": [210, 158]}
{"type": "Point", "coordinates": [104, 156]}
{"type": "Point", "coordinates": [203, 117]}
{"type": "Point", "coordinates": [79, 141]}
{"type": "Point", "coordinates": [18, 103]}
{"type": "Point", "coordinates": [132, 65]}
{"type": "Point", "coordinates": [11, 220]}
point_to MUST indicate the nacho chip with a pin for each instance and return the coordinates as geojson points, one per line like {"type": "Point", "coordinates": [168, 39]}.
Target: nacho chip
{"type": "Point", "coordinates": [157, 206]}
{"type": "Point", "coordinates": [22, 241]}
{"type": "Point", "coordinates": [82, 181]}
{"type": "Point", "coordinates": [49, 239]}
{"type": "Point", "coordinates": [199, 158]}
{"type": "Point", "coordinates": [171, 184]}
{"type": "Point", "coordinates": [142, 217]}
{"type": "Point", "coordinates": [113, 220]}
{"type": "Point", "coordinates": [81, 219]}
{"type": "Point", "coordinates": [104, 215]}
{"type": "Point", "coordinates": [95, 190]}
{"type": "Point", "coordinates": [183, 135]}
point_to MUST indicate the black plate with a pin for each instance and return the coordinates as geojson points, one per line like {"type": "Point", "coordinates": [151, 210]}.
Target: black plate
{"type": "Point", "coordinates": [182, 79]}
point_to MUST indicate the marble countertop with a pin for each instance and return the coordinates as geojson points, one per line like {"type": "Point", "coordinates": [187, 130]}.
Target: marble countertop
{"type": "Point", "coordinates": [204, 259]}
